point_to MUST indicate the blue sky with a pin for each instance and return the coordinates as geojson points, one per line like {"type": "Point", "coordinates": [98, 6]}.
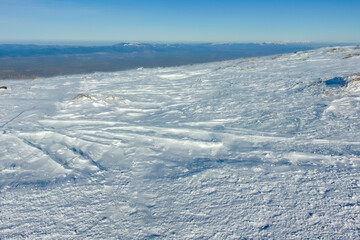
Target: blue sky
{"type": "Point", "coordinates": [180, 21]}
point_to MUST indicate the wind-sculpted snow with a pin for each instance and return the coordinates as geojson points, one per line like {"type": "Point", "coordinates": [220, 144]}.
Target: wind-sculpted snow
{"type": "Point", "coordinates": [245, 149]}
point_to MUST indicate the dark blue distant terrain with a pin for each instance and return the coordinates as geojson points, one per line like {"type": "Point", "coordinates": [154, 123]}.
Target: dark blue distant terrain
{"type": "Point", "coordinates": [19, 61]}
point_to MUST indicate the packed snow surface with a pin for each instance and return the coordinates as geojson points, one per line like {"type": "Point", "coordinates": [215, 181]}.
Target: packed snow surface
{"type": "Point", "coordinates": [245, 149]}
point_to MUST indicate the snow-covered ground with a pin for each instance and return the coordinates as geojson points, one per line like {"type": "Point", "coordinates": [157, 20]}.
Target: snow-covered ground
{"type": "Point", "coordinates": [246, 149]}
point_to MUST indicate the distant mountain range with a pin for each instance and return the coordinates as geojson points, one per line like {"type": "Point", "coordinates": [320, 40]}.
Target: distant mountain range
{"type": "Point", "coordinates": [22, 61]}
{"type": "Point", "coordinates": [249, 49]}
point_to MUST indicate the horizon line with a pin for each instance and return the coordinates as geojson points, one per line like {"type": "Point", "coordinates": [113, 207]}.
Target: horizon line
{"type": "Point", "coordinates": [111, 42]}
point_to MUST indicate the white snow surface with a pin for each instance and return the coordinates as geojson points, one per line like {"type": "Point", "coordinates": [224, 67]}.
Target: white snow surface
{"type": "Point", "coordinates": [258, 148]}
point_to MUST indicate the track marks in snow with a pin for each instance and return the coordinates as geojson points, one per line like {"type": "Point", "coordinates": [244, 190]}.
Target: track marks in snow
{"type": "Point", "coordinates": [72, 154]}
{"type": "Point", "coordinates": [12, 119]}
{"type": "Point", "coordinates": [51, 156]}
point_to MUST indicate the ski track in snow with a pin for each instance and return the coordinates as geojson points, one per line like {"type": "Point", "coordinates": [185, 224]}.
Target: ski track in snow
{"type": "Point", "coordinates": [256, 148]}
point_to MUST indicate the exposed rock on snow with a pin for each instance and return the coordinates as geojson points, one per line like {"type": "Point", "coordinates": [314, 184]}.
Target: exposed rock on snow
{"type": "Point", "coordinates": [355, 77]}
{"type": "Point", "coordinates": [82, 95]}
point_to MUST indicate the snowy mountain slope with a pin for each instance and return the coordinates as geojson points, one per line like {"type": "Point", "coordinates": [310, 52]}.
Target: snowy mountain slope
{"type": "Point", "coordinates": [250, 148]}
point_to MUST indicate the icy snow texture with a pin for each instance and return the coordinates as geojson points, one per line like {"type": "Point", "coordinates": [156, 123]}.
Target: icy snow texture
{"type": "Point", "coordinates": [250, 148]}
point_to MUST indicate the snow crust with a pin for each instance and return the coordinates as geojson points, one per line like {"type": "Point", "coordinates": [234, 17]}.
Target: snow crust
{"type": "Point", "coordinates": [244, 149]}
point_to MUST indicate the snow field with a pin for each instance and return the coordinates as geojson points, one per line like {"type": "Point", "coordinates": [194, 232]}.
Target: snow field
{"type": "Point", "coordinates": [244, 149]}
